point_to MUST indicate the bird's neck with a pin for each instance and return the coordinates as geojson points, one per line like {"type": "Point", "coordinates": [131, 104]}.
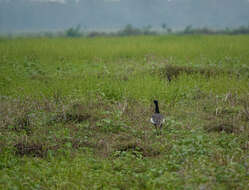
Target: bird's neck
{"type": "Point", "coordinates": [157, 108]}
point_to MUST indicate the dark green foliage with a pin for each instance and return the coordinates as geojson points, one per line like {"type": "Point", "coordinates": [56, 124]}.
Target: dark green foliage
{"type": "Point", "coordinates": [205, 30]}
{"type": "Point", "coordinates": [74, 32]}
{"type": "Point", "coordinates": [129, 30]}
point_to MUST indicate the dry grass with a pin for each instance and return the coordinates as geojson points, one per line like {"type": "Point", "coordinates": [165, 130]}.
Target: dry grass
{"type": "Point", "coordinates": [173, 71]}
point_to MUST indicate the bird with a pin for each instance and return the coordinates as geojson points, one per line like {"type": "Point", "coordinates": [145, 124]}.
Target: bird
{"type": "Point", "coordinates": [157, 119]}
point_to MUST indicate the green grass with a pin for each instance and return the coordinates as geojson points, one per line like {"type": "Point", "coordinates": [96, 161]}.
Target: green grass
{"type": "Point", "coordinates": [74, 113]}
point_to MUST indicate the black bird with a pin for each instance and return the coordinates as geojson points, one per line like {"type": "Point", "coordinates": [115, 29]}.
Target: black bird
{"type": "Point", "coordinates": [157, 119]}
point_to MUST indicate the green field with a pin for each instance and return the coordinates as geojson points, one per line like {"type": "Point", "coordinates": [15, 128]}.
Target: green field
{"type": "Point", "coordinates": [74, 112]}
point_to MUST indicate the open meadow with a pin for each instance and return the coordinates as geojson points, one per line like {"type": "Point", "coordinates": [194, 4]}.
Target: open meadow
{"type": "Point", "coordinates": [75, 112]}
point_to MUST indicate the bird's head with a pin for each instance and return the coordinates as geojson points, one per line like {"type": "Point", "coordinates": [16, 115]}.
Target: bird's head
{"type": "Point", "coordinates": [155, 101]}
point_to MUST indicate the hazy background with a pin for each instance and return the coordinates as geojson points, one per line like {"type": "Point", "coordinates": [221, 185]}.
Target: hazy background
{"type": "Point", "coordinates": [54, 15]}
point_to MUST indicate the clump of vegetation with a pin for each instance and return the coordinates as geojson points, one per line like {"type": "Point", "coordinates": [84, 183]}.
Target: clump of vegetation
{"type": "Point", "coordinates": [75, 113]}
{"type": "Point", "coordinates": [173, 71]}
{"type": "Point", "coordinates": [229, 114]}
{"type": "Point", "coordinates": [30, 149]}
{"type": "Point", "coordinates": [74, 32]}
{"type": "Point", "coordinates": [205, 30]}
{"type": "Point", "coordinates": [130, 30]}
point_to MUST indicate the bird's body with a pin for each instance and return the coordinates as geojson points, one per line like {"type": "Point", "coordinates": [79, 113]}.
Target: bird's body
{"type": "Point", "coordinates": [157, 119]}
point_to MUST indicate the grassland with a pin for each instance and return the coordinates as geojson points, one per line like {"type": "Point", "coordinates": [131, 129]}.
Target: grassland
{"type": "Point", "coordinates": [74, 113]}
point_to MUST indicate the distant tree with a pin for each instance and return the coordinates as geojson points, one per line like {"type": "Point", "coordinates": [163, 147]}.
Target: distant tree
{"type": "Point", "coordinates": [130, 30]}
{"type": "Point", "coordinates": [169, 30]}
{"type": "Point", "coordinates": [164, 26]}
{"type": "Point", "coordinates": [147, 29]}
{"type": "Point", "coordinates": [73, 32]}
{"type": "Point", "coordinates": [188, 29]}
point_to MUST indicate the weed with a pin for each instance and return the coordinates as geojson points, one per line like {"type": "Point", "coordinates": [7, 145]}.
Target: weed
{"type": "Point", "coordinates": [25, 147]}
